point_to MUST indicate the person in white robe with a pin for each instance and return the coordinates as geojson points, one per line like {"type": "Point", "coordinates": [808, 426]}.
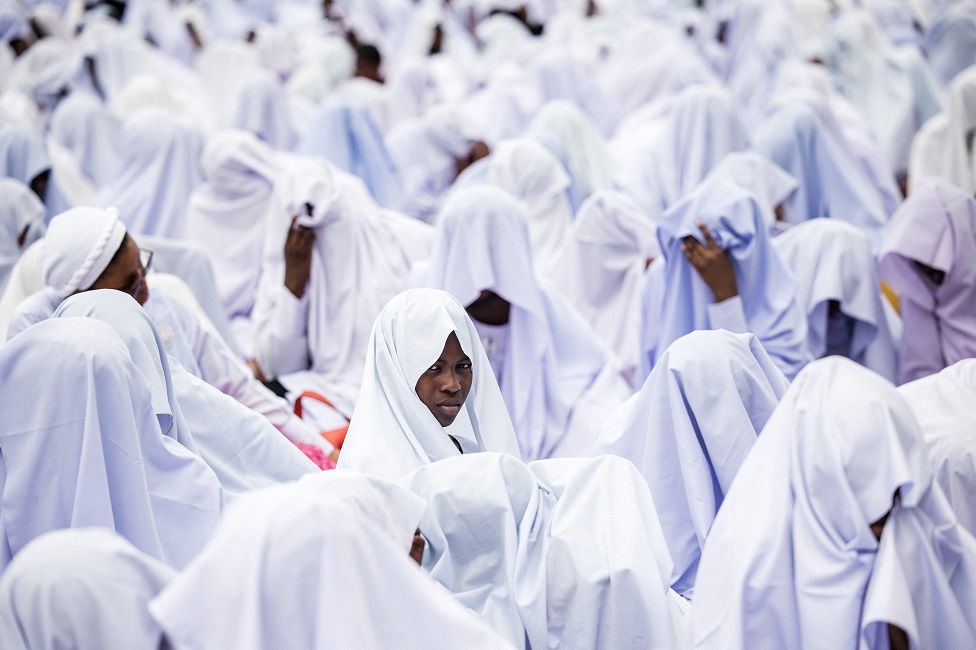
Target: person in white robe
{"type": "Point", "coordinates": [758, 175]}
{"type": "Point", "coordinates": [262, 109]}
{"type": "Point", "coordinates": [834, 533]}
{"type": "Point", "coordinates": [21, 224]}
{"type": "Point", "coordinates": [82, 588]}
{"type": "Point", "coordinates": [342, 541]}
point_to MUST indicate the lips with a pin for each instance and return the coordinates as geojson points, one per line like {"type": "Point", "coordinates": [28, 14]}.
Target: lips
{"type": "Point", "coordinates": [450, 408]}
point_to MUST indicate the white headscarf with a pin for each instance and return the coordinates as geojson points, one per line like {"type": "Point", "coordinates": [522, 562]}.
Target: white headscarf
{"type": "Point", "coordinates": [85, 127]}
{"type": "Point", "coordinates": [563, 553]}
{"type": "Point", "coordinates": [600, 267]}
{"type": "Point", "coordinates": [262, 109]}
{"type": "Point", "coordinates": [688, 430]}
{"type": "Point", "coordinates": [82, 421]}
{"type": "Point", "coordinates": [78, 247]}
{"type": "Point", "coordinates": [339, 541]}
{"type": "Point", "coordinates": [226, 214]}
{"type": "Point", "coordinates": [832, 260]}
{"type": "Point", "coordinates": [529, 172]}
{"type": "Point", "coordinates": [160, 169]}
{"type": "Point", "coordinates": [791, 560]}
{"type": "Point", "coordinates": [553, 356]}
{"type": "Point", "coordinates": [19, 209]}
{"type": "Point", "coordinates": [392, 431]}
{"type": "Point", "coordinates": [943, 404]}
{"type": "Point", "coordinates": [82, 588]}
{"type": "Point", "coordinates": [759, 176]}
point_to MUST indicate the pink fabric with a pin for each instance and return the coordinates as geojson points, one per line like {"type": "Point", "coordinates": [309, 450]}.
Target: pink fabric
{"type": "Point", "coordinates": [316, 455]}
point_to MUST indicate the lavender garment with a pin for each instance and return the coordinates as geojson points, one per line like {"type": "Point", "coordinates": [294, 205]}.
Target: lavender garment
{"type": "Point", "coordinates": [936, 227]}
{"type": "Point", "coordinates": [766, 286]}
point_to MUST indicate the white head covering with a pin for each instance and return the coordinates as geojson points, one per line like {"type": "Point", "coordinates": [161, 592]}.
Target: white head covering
{"type": "Point", "coordinates": [832, 260]}
{"type": "Point", "coordinates": [262, 109]}
{"type": "Point", "coordinates": [19, 209]}
{"type": "Point", "coordinates": [227, 213]}
{"type": "Point", "coordinates": [553, 356]}
{"type": "Point", "coordinates": [392, 431]}
{"type": "Point", "coordinates": [688, 430]}
{"type": "Point", "coordinates": [791, 560]}
{"type": "Point", "coordinates": [943, 404]}
{"type": "Point", "coordinates": [562, 553]}
{"type": "Point", "coordinates": [759, 176]}
{"type": "Point", "coordinates": [78, 247]}
{"type": "Point", "coordinates": [339, 541]}
{"type": "Point", "coordinates": [600, 267]}
{"type": "Point", "coordinates": [529, 172]}
{"type": "Point", "coordinates": [85, 127]}
{"type": "Point", "coordinates": [22, 153]}
{"type": "Point", "coordinates": [82, 420]}
{"type": "Point", "coordinates": [82, 588]}
{"type": "Point", "coordinates": [160, 169]}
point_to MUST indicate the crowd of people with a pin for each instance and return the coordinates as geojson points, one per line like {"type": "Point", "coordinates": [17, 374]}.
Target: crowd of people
{"type": "Point", "coordinates": [492, 324]}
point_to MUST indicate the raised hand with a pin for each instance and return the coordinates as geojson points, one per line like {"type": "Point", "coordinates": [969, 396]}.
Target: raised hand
{"type": "Point", "coordinates": [712, 263]}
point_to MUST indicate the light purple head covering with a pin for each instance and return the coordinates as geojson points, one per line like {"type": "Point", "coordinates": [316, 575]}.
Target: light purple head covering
{"type": "Point", "coordinates": [935, 226]}
{"type": "Point", "coordinates": [766, 286]}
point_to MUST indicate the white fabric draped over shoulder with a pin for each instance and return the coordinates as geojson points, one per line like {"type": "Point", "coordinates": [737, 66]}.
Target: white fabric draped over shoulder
{"type": "Point", "coordinates": [21, 224]}
{"type": "Point", "coordinates": [558, 379]}
{"type": "Point", "coordinates": [563, 553]}
{"type": "Point", "coordinates": [688, 430]}
{"type": "Point", "coordinates": [82, 447]}
{"type": "Point", "coordinates": [81, 588]}
{"type": "Point", "coordinates": [945, 406]}
{"type": "Point", "coordinates": [791, 560]}
{"type": "Point", "coordinates": [392, 432]}
{"type": "Point", "coordinates": [339, 539]}
{"type": "Point", "coordinates": [832, 261]}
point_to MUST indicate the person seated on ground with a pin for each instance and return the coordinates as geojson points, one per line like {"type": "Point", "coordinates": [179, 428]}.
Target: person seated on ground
{"type": "Point", "coordinates": [88, 248]}
{"type": "Point", "coordinates": [241, 446]}
{"type": "Point", "coordinates": [833, 533]}
{"type": "Point", "coordinates": [82, 419]}
{"type": "Point", "coordinates": [428, 390]}
{"type": "Point", "coordinates": [341, 540]}
{"type": "Point", "coordinates": [85, 588]}
{"type": "Point", "coordinates": [559, 381]}
{"type": "Point", "coordinates": [928, 259]}
{"type": "Point", "coordinates": [21, 224]}
{"type": "Point", "coordinates": [838, 288]}
{"type": "Point", "coordinates": [688, 430]}
{"type": "Point", "coordinates": [719, 270]}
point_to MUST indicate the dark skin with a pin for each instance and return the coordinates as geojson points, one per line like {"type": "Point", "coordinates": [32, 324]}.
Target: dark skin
{"type": "Point", "coordinates": [935, 276]}
{"type": "Point", "coordinates": [897, 638]}
{"type": "Point", "coordinates": [445, 385]}
{"type": "Point", "coordinates": [298, 256]}
{"type": "Point", "coordinates": [125, 273]}
{"type": "Point", "coordinates": [417, 548]}
{"type": "Point", "coordinates": [477, 151]}
{"type": "Point", "coordinates": [490, 309]}
{"type": "Point", "coordinates": [713, 265]}
{"type": "Point", "coordinates": [39, 184]}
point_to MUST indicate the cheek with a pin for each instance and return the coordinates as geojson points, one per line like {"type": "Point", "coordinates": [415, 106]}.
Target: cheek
{"type": "Point", "coordinates": [466, 384]}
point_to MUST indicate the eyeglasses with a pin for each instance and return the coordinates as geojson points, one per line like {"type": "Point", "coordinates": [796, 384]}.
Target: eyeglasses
{"type": "Point", "coordinates": [145, 261]}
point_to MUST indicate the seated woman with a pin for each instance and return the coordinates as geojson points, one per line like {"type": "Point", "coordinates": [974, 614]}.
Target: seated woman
{"type": "Point", "coordinates": [82, 446]}
{"type": "Point", "coordinates": [21, 224]}
{"type": "Point", "coordinates": [241, 446]}
{"type": "Point", "coordinates": [338, 541]}
{"type": "Point", "coordinates": [85, 588]}
{"type": "Point", "coordinates": [558, 379]}
{"type": "Point", "coordinates": [928, 259]}
{"type": "Point", "coordinates": [833, 534]}
{"type": "Point", "coordinates": [688, 430]}
{"type": "Point", "coordinates": [428, 392]}
{"type": "Point", "coordinates": [720, 271]}
{"type": "Point", "coordinates": [838, 288]}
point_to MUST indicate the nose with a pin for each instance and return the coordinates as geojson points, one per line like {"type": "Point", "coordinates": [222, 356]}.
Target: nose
{"type": "Point", "coordinates": [450, 383]}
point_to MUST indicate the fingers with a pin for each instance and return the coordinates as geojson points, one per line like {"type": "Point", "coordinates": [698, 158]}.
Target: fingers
{"type": "Point", "coordinates": [709, 240]}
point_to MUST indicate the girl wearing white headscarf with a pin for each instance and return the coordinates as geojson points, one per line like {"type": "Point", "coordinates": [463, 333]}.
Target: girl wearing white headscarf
{"type": "Point", "coordinates": [392, 432]}
{"type": "Point", "coordinates": [558, 380]}
{"type": "Point", "coordinates": [600, 267]}
{"type": "Point", "coordinates": [82, 447]}
{"type": "Point", "coordinates": [21, 223]}
{"type": "Point", "coordinates": [240, 445]}
{"type": "Point", "coordinates": [85, 588]}
{"type": "Point", "coordinates": [160, 169]}
{"type": "Point", "coordinates": [85, 128]}
{"type": "Point", "coordinates": [688, 430]}
{"type": "Point", "coordinates": [834, 530]}
{"type": "Point", "coordinates": [839, 290]}
{"type": "Point", "coordinates": [341, 540]}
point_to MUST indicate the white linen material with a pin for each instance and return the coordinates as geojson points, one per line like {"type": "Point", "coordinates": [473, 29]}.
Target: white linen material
{"type": "Point", "coordinates": [688, 430]}
{"type": "Point", "coordinates": [341, 541]}
{"type": "Point", "coordinates": [392, 432]}
{"type": "Point", "coordinates": [559, 381]}
{"type": "Point", "coordinates": [84, 588]}
{"type": "Point", "coordinates": [561, 553]}
{"type": "Point", "coordinates": [21, 224]}
{"type": "Point", "coordinates": [791, 560]}
{"type": "Point", "coordinates": [81, 446]}
{"type": "Point", "coordinates": [831, 260]}
{"type": "Point", "coordinates": [945, 406]}
{"type": "Point", "coordinates": [244, 450]}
